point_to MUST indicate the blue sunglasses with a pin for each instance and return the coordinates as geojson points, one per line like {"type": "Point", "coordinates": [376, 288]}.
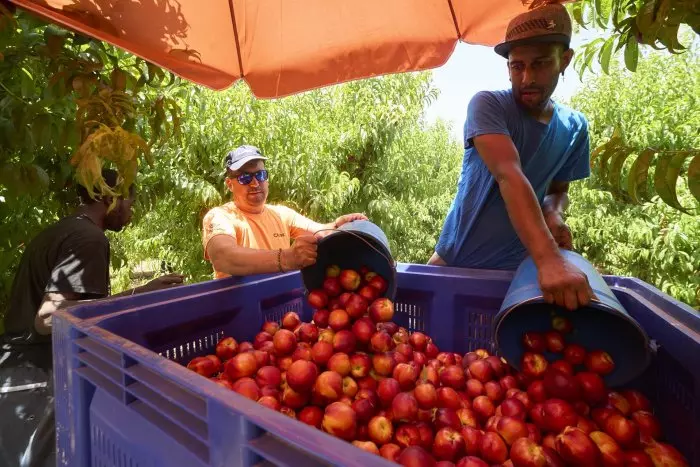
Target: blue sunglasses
{"type": "Point", "coordinates": [246, 178]}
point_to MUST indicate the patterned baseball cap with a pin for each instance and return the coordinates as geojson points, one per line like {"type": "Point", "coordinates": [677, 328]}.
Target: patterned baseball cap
{"type": "Point", "coordinates": [550, 23]}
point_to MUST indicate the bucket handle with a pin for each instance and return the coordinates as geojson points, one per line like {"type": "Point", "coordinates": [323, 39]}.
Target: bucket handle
{"type": "Point", "coordinates": [391, 261]}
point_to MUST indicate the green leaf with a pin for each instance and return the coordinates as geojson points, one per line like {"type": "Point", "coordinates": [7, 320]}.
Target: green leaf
{"type": "Point", "coordinates": [694, 177]}
{"type": "Point", "coordinates": [632, 53]}
{"type": "Point", "coordinates": [606, 54]}
{"type": "Point", "coordinates": [597, 5]}
{"type": "Point", "coordinates": [617, 162]}
{"type": "Point", "coordinates": [616, 14]}
{"type": "Point", "coordinates": [637, 180]}
{"type": "Point", "coordinates": [613, 147]}
{"type": "Point", "coordinates": [26, 84]}
{"type": "Point", "coordinates": [668, 168]}
{"type": "Point", "coordinates": [590, 51]}
{"type": "Point", "coordinates": [152, 71]}
{"type": "Point", "coordinates": [577, 13]}
{"type": "Point", "coordinates": [596, 152]}
{"type": "Point", "coordinates": [622, 41]}
{"type": "Point", "coordinates": [602, 12]}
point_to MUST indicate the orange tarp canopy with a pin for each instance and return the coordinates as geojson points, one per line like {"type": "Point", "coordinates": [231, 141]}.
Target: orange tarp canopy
{"type": "Point", "coordinates": [281, 47]}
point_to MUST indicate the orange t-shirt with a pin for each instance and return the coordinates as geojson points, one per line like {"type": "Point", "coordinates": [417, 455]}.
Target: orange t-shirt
{"type": "Point", "coordinates": [273, 228]}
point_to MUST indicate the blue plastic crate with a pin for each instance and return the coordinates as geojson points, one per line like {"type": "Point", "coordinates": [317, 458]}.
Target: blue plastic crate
{"type": "Point", "coordinates": [124, 399]}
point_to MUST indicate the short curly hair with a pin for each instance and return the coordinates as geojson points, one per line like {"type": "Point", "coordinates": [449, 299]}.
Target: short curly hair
{"type": "Point", "coordinates": [111, 177]}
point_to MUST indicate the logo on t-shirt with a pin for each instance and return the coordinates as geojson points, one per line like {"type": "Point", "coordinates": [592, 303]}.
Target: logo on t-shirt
{"type": "Point", "coordinates": [279, 235]}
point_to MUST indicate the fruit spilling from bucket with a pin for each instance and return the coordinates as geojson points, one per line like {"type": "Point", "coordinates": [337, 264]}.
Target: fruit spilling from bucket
{"type": "Point", "coordinates": [355, 374]}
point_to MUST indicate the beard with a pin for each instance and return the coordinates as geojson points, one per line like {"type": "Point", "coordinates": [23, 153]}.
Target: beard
{"type": "Point", "coordinates": [535, 97]}
{"type": "Point", "coordinates": [531, 99]}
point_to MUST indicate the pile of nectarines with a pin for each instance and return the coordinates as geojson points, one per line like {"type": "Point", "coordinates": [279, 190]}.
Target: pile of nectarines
{"type": "Point", "coordinates": [357, 375]}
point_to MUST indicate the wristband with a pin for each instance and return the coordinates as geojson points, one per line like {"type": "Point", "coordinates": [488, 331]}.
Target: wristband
{"type": "Point", "coordinates": [279, 260]}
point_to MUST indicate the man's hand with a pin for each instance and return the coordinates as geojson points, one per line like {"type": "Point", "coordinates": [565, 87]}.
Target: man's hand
{"type": "Point", "coordinates": [302, 253]}
{"type": "Point", "coordinates": [349, 218]}
{"type": "Point", "coordinates": [564, 284]}
{"type": "Point", "coordinates": [560, 231]}
{"type": "Point", "coordinates": [53, 301]}
{"type": "Point", "coordinates": [163, 282]}
{"type": "Point", "coordinates": [435, 260]}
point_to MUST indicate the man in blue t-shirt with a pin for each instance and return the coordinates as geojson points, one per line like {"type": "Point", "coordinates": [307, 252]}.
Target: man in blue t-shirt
{"type": "Point", "coordinates": [521, 151]}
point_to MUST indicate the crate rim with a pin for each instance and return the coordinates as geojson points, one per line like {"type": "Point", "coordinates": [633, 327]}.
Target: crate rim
{"type": "Point", "coordinates": [681, 313]}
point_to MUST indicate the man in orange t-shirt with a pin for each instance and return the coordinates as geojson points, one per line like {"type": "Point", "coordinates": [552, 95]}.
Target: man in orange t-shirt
{"type": "Point", "coordinates": [246, 236]}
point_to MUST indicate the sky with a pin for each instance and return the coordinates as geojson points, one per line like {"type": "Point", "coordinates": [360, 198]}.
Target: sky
{"type": "Point", "coordinates": [473, 68]}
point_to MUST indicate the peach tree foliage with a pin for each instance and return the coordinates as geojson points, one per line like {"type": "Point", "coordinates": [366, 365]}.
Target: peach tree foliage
{"type": "Point", "coordinates": [360, 146]}
{"type": "Point", "coordinates": [68, 105]}
{"type": "Point", "coordinates": [631, 30]}
{"type": "Point", "coordinates": [632, 26]}
{"type": "Point", "coordinates": [652, 151]}
{"type": "Point", "coordinates": [633, 228]}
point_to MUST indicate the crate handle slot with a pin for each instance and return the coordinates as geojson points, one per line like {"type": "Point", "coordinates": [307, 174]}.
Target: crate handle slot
{"type": "Point", "coordinates": [281, 453]}
{"type": "Point", "coordinates": [177, 416]}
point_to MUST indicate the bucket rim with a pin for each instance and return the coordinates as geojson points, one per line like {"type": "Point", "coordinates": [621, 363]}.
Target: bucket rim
{"type": "Point", "coordinates": [528, 287]}
{"type": "Point", "coordinates": [382, 250]}
{"type": "Point", "coordinates": [386, 254]}
{"type": "Point", "coordinates": [599, 306]}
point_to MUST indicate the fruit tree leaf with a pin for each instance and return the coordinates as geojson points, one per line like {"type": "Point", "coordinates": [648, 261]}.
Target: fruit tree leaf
{"type": "Point", "coordinates": [606, 54]}
{"type": "Point", "coordinates": [602, 12]}
{"type": "Point", "coordinates": [668, 168]}
{"type": "Point", "coordinates": [694, 177]}
{"type": "Point", "coordinates": [617, 162]}
{"type": "Point", "coordinates": [26, 84]}
{"type": "Point", "coordinates": [577, 13]}
{"type": "Point", "coordinates": [591, 49]}
{"type": "Point", "coordinates": [621, 41]}
{"type": "Point", "coordinates": [638, 176]}
{"type": "Point", "coordinates": [594, 155]}
{"type": "Point", "coordinates": [632, 53]}
{"type": "Point", "coordinates": [613, 147]}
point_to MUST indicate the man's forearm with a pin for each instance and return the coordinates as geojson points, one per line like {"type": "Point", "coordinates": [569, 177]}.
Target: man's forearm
{"type": "Point", "coordinates": [127, 292]}
{"type": "Point", "coordinates": [556, 202]}
{"type": "Point", "coordinates": [526, 216]}
{"type": "Point", "coordinates": [242, 261]}
{"type": "Point", "coordinates": [52, 302]}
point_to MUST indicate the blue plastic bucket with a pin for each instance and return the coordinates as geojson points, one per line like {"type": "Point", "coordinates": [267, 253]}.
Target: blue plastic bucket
{"type": "Point", "coordinates": [351, 246]}
{"type": "Point", "coordinates": [603, 325]}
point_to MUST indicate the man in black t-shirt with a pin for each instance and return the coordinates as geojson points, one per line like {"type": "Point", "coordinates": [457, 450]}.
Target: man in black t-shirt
{"type": "Point", "coordinates": [66, 263]}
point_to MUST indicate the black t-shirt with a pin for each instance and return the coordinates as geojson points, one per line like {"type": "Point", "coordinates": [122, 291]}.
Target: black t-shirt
{"type": "Point", "coordinates": [70, 256]}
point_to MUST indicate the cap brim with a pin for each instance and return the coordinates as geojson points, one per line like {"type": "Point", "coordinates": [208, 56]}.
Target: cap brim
{"type": "Point", "coordinates": [503, 49]}
{"type": "Point", "coordinates": [238, 164]}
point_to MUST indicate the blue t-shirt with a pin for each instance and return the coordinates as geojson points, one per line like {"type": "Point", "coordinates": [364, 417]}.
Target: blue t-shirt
{"type": "Point", "coordinates": [477, 232]}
